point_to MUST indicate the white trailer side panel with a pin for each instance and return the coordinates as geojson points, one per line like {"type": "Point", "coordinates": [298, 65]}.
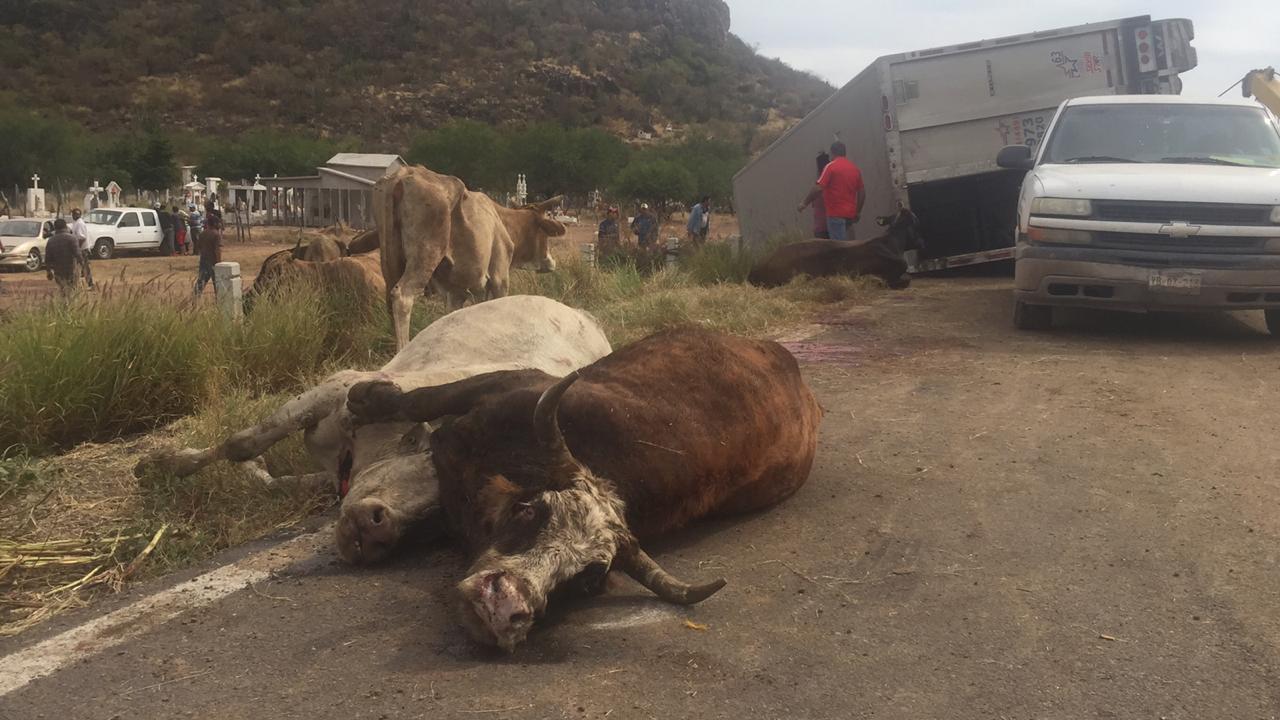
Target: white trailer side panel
{"type": "Point", "coordinates": [767, 192]}
{"type": "Point", "coordinates": [956, 111]}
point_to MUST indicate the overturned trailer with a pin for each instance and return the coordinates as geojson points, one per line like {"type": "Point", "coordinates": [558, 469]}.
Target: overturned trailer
{"type": "Point", "coordinates": [925, 128]}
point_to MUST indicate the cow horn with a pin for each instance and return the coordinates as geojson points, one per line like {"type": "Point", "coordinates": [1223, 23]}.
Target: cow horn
{"type": "Point", "coordinates": [545, 425]}
{"type": "Point", "coordinates": [646, 571]}
{"type": "Point", "coordinates": [547, 205]}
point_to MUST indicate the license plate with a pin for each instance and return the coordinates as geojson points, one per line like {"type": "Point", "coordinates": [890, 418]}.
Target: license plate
{"type": "Point", "coordinates": [1177, 282]}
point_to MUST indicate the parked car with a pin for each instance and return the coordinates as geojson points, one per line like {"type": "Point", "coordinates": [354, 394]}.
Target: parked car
{"type": "Point", "coordinates": [1149, 203]}
{"type": "Point", "coordinates": [22, 242]}
{"type": "Point", "coordinates": [115, 229]}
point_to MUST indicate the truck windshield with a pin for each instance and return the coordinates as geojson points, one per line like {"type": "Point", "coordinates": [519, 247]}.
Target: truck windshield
{"type": "Point", "coordinates": [1177, 134]}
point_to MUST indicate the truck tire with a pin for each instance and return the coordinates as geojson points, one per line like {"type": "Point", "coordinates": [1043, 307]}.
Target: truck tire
{"type": "Point", "coordinates": [1033, 317]}
{"type": "Point", "coordinates": [104, 249]}
{"type": "Point", "coordinates": [1273, 322]}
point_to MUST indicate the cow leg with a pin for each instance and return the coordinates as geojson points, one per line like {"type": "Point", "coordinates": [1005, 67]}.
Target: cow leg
{"type": "Point", "coordinates": [258, 469]}
{"type": "Point", "coordinates": [496, 288]}
{"type": "Point", "coordinates": [301, 412]}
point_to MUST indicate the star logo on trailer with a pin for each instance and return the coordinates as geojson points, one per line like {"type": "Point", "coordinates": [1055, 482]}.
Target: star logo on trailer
{"type": "Point", "coordinates": [1069, 67]}
{"type": "Point", "coordinates": [1180, 229]}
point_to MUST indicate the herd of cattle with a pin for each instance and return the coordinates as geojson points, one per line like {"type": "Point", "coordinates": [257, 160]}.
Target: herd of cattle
{"type": "Point", "coordinates": [514, 428]}
{"type": "Point", "coordinates": [435, 234]}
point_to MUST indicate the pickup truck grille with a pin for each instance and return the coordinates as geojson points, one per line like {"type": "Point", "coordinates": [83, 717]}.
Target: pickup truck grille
{"type": "Point", "coordinates": [1194, 213]}
{"type": "Point", "coordinates": [1198, 244]}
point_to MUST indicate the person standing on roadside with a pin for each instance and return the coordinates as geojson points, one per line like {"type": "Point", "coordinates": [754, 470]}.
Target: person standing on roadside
{"type": "Point", "coordinates": [819, 205]}
{"type": "Point", "coordinates": [179, 231]}
{"type": "Point", "coordinates": [699, 224]}
{"type": "Point", "coordinates": [81, 232]}
{"type": "Point", "coordinates": [61, 256]}
{"type": "Point", "coordinates": [842, 192]}
{"type": "Point", "coordinates": [645, 226]}
{"type": "Point", "coordinates": [196, 221]}
{"type": "Point", "coordinates": [209, 247]}
{"type": "Point", "coordinates": [166, 227]}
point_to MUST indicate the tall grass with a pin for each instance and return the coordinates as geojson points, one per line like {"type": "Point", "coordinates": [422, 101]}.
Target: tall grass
{"type": "Point", "coordinates": [99, 367]}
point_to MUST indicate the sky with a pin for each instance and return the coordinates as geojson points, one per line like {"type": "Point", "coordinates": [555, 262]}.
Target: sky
{"type": "Point", "coordinates": [835, 39]}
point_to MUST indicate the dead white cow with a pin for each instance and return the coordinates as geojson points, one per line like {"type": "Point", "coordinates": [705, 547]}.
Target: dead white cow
{"type": "Point", "coordinates": [383, 471]}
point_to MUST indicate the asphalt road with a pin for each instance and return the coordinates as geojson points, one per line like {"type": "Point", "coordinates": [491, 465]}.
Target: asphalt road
{"type": "Point", "coordinates": [1078, 524]}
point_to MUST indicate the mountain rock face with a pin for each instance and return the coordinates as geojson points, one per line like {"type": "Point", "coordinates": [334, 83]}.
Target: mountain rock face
{"type": "Point", "coordinates": [379, 70]}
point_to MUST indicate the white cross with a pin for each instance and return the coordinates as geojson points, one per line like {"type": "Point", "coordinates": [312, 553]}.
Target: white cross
{"type": "Point", "coordinates": [96, 188]}
{"type": "Point", "coordinates": [35, 181]}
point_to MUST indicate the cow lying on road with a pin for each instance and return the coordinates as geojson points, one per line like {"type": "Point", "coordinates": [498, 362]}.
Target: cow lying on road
{"type": "Point", "coordinates": [383, 471]}
{"type": "Point", "coordinates": [881, 256]}
{"type": "Point", "coordinates": [432, 229]}
{"type": "Point", "coordinates": [552, 483]}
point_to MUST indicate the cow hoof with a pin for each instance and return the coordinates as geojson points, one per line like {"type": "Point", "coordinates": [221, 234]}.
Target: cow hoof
{"type": "Point", "coordinates": [374, 400]}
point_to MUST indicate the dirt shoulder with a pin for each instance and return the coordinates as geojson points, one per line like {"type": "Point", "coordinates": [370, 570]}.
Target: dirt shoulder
{"type": "Point", "coordinates": [1064, 525]}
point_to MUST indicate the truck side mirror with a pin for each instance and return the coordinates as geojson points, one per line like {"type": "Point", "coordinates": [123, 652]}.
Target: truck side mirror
{"type": "Point", "coordinates": [1015, 157]}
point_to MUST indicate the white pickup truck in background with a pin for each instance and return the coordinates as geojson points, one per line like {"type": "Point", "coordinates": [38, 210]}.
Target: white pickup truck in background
{"type": "Point", "coordinates": [1149, 203]}
{"type": "Point", "coordinates": [114, 229]}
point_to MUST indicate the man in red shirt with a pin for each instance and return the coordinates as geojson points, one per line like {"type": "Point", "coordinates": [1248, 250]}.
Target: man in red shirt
{"type": "Point", "coordinates": [842, 191]}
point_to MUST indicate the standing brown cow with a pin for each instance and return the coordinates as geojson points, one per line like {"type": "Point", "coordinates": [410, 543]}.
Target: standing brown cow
{"type": "Point", "coordinates": [552, 483]}
{"type": "Point", "coordinates": [434, 230]}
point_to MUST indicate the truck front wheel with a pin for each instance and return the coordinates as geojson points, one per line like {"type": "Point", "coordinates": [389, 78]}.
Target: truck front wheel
{"type": "Point", "coordinates": [104, 249]}
{"type": "Point", "coordinates": [1036, 317]}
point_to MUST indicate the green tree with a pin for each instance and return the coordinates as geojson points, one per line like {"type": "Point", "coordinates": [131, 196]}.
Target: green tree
{"type": "Point", "coordinates": [655, 181]}
{"type": "Point", "coordinates": [467, 149]}
{"type": "Point", "coordinates": [29, 144]}
{"type": "Point", "coordinates": [154, 167]}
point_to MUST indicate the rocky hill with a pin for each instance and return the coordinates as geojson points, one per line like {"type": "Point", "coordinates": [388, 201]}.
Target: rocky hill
{"type": "Point", "coordinates": [380, 70]}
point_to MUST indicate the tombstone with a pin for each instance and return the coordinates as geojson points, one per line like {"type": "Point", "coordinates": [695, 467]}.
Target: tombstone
{"type": "Point", "coordinates": [589, 254]}
{"type": "Point", "coordinates": [94, 197]}
{"type": "Point", "coordinates": [673, 251]}
{"type": "Point", "coordinates": [113, 194]}
{"type": "Point", "coordinates": [522, 190]}
{"type": "Point", "coordinates": [35, 198]}
{"type": "Point", "coordinates": [188, 174]}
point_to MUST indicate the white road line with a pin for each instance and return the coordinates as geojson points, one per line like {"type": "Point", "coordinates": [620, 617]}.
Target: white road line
{"type": "Point", "coordinates": [99, 634]}
{"type": "Point", "coordinates": [647, 616]}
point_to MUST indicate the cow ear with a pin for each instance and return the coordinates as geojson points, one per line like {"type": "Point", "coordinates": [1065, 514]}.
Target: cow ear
{"type": "Point", "coordinates": [551, 227]}
{"type": "Point", "coordinates": [417, 440]}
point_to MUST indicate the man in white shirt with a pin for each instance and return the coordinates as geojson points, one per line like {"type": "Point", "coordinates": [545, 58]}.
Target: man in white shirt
{"type": "Point", "coordinates": [81, 233]}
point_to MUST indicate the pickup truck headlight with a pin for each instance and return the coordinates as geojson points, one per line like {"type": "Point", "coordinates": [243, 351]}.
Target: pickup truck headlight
{"type": "Point", "coordinates": [1061, 206]}
{"type": "Point", "coordinates": [1275, 215]}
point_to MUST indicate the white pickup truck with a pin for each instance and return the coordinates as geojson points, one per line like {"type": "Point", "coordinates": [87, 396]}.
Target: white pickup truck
{"type": "Point", "coordinates": [1149, 203]}
{"type": "Point", "coordinates": [114, 229]}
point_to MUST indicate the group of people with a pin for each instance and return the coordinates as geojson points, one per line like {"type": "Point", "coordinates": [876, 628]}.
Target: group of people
{"type": "Point", "coordinates": [837, 197]}
{"type": "Point", "coordinates": [181, 228]}
{"type": "Point", "coordinates": [66, 255]}
{"type": "Point", "coordinates": [609, 233]}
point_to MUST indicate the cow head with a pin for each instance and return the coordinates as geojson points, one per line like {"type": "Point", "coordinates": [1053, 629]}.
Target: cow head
{"type": "Point", "coordinates": [273, 269]}
{"type": "Point", "coordinates": [532, 236]}
{"type": "Point", "coordinates": [385, 479]}
{"type": "Point", "coordinates": [905, 226]}
{"type": "Point", "coordinates": [558, 526]}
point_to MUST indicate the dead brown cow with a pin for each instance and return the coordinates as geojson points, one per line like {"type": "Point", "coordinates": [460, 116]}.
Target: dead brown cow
{"type": "Point", "coordinates": [434, 230]}
{"type": "Point", "coordinates": [881, 256]}
{"type": "Point", "coordinates": [551, 483]}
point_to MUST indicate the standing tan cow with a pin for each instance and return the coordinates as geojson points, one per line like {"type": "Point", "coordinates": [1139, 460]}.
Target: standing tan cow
{"type": "Point", "coordinates": [434, 230]}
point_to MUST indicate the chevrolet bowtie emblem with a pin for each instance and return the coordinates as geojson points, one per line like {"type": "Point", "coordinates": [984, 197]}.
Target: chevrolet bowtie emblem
{"type": "Point", "coordinates": [1180, 229]}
